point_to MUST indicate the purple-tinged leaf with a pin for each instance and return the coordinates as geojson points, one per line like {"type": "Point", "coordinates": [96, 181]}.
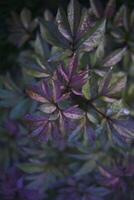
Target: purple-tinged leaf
{"type": "Point", "coordinates": [63, 73]}
{"type": "Point", "coordinates": [74, 15]}
{"type": "Point", "coordinates": [73, 64]}
{"type": "Point", "coordinates": [110, 8]}
{"type": "Point", "coordinates": [87, 21]}
{"type": "Point", "coordinates": [36, 118]}
{"type": "Point", "coordinates": [46, 90]}
{"type": "Point", "coordinates": [53, 35]}
{"type": "Point", "coordinates": [78, 81]}
{"type": "Point", "coordinates": [118, 20]}
{"type": "Point", "coordinates": [37, 131]}
{"type": "Point", "coordinates": [63, 97]}
{"type": "Point", "coordinates": [118, 86]}
{"type": "Point", "coordinates": [37, 97]}
{"type": "Point", "coordinates": [12, 127]}
{"type": "Point", "coordinates": [110, 88]}
{"type": "Point", "coordinates": [124, 128]}
{"type": "Point", "coordinates": [89, 131]}
{"type": "Point", "coordinates": [92, 37]}
{"type": "Point", "coordinates": [104, 85]}
{"type": "Point", "coordinates": [114, 57]}
{"type": "Point", "coordinates": [63, 24]}
{"type": "Point", "coordinates": [73, 113]}
{"type": "Point", "coordinates": [97, 8]}
{"type": "Point", "coordinates": [56, 90]}
{"type": "Point", "coordinates": [108, 178]}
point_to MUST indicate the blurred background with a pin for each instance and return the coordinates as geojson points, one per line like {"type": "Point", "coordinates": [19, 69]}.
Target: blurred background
{"type": "Point", "coordinates": [8, 52]}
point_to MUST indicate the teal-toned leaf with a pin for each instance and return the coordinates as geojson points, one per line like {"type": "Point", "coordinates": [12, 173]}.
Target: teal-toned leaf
{"type": "Point", "coordinates": [20, 109]}
{"type": "Point", "coordinates": [52, 34]}
{"type": "Point", "coordinates": [88, 167]}
{"type": "Point", "coordinates": [31, 168]}
{"type": "Point", "coordinates": [41, 47]}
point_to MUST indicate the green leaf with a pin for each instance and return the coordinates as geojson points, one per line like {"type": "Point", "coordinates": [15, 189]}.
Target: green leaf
{"type": "Point", "coordinates": [86, 90]}
{"type": "Point", "coordinates": [31, 168]}
{"type": "Point", "coordinates": [36, 74]}
{"type": "Point", "coordinates": [112, 84]}
{"type": "Point", "coordinates": [119, 84]}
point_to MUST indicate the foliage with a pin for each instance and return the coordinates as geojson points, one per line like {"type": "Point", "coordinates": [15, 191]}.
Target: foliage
{"type": "Point", "coordinates": [67, 118]}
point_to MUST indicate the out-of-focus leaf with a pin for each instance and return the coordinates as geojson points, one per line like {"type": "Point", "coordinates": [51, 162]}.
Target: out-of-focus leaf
{"type": "Point", "coordinates": [31, 168]}
{"type": "Point", "coordinates": [97, 8]}
{"type": "Point", "coordinates": [48, 16]}
{"type": "Point", "coordinates": [20, 109]}
{"type": "Point", "coordinates": [86, 168]}
{"type": "Point", "coordinates": [25, 17]}
{"type": "Point", "coordinates": [110, 8]}
{"type": "Point", "coordinates": [118, 20]}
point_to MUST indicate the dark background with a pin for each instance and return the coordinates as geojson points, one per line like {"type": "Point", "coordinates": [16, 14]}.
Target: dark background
{"type": "Point", "coordinates": [7, 51]}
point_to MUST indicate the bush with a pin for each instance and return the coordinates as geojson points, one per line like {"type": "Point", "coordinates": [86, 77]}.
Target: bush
{"type": "Point", "coordinates": [67, 116]}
